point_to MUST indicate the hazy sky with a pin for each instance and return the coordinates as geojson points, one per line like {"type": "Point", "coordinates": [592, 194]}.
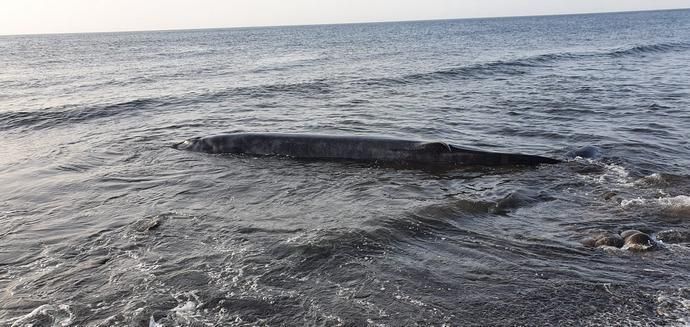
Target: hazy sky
{"type": "Point", "coordinates": [60, 16]}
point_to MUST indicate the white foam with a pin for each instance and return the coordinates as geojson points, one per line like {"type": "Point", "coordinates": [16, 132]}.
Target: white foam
{"type": "Point", "coordinates": [680, 202]}
{"type": "Point", "coordinates": [153, 323]}
{"type": "Point", "coordinates": [638, 202]}
{"type": "Point", "coordinates": [678, 205]}
{"type": "Point", "coordinates": [612, 174]}
{"type": "Point", "coordinates": [407, 298]}
{"type": "Point", "coordinates": [652, 179]}
{"type": "Point", "coordinates": [185, 309]}
{"type": "Point", "coordinates": [61, 315]}
{"type": "Point", "coordinates": [616, 173]}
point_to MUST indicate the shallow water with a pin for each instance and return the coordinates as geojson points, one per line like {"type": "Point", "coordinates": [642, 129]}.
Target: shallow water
{"type": "Point", "coordinates": [105, 224]}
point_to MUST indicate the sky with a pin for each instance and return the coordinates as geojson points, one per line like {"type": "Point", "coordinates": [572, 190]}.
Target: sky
{"type": "Point", "coordinates": [75, 16]}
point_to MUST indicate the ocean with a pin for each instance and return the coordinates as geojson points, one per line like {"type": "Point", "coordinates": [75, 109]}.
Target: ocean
{"type": "Point", "coordinates": [104, 223]}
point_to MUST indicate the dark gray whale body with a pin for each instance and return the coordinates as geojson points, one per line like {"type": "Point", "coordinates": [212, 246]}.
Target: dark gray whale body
{"type": "Point", "coordinates": [358, 148]}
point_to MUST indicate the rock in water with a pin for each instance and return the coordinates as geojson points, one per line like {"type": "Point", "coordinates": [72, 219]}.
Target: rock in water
{"type": "Point", "coordinates": [639, 242]}
{"type": "Point", "coordinates": [604, 239]}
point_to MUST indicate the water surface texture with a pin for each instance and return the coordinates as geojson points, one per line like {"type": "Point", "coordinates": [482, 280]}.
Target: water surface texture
{"type": "Point", "coordinates": [105, 224]}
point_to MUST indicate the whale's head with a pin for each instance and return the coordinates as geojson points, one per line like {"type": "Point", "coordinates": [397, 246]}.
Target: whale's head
{"type": "Point", "coordinates": [224, 143]}
{"type": "Point", "coordinates": [196, 144]}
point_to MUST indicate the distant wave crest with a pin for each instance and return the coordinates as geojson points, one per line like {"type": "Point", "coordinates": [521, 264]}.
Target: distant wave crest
{"type": "Point", "coordinates": [520, 66]}
{"type": "Point", "coordinates": [649, 49]}
{"type": "Point", "coordinates": [65, 115]}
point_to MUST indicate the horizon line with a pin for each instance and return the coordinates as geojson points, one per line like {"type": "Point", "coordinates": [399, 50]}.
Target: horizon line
{"type": "Point", "coordinates": [342, 23]}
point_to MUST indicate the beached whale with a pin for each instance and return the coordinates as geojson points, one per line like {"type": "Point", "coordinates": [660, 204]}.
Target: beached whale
{"type": "Point", "coordinates": [359, 148]}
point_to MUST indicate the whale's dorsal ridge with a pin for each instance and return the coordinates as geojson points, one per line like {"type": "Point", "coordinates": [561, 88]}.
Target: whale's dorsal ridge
{"type": "Point", "coordinates": [436, 147]}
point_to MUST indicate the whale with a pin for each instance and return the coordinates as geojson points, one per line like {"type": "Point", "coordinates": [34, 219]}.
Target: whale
{"type": "Point", "coordinates": [377, 149]}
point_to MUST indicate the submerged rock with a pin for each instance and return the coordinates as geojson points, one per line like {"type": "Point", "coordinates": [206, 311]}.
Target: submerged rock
{"type": "Point", "coordinates": [674, 236]}
{"type": "Point", "coordinates": [609, 195]}
{"type": "Point", "coordinates": [147, 224]}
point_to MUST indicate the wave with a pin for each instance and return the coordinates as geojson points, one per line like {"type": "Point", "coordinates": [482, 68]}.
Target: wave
{"type": "Point", "coordinates": [650, 49]}
{"type": "Point", "coordinates": [71, 114]}
{"type": "Point", "coordinates": [333, 248]}
{"type": "Point", "coordinates": [481, 70]}
{"type": "Point", "coordinates": [336, 247]}
{"type": "Point", "coordinates": [521, 66]}
{"type": "Point", "coordinates": [64, 115]}
{"type": "Point", "coordinates": [304, 89]}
